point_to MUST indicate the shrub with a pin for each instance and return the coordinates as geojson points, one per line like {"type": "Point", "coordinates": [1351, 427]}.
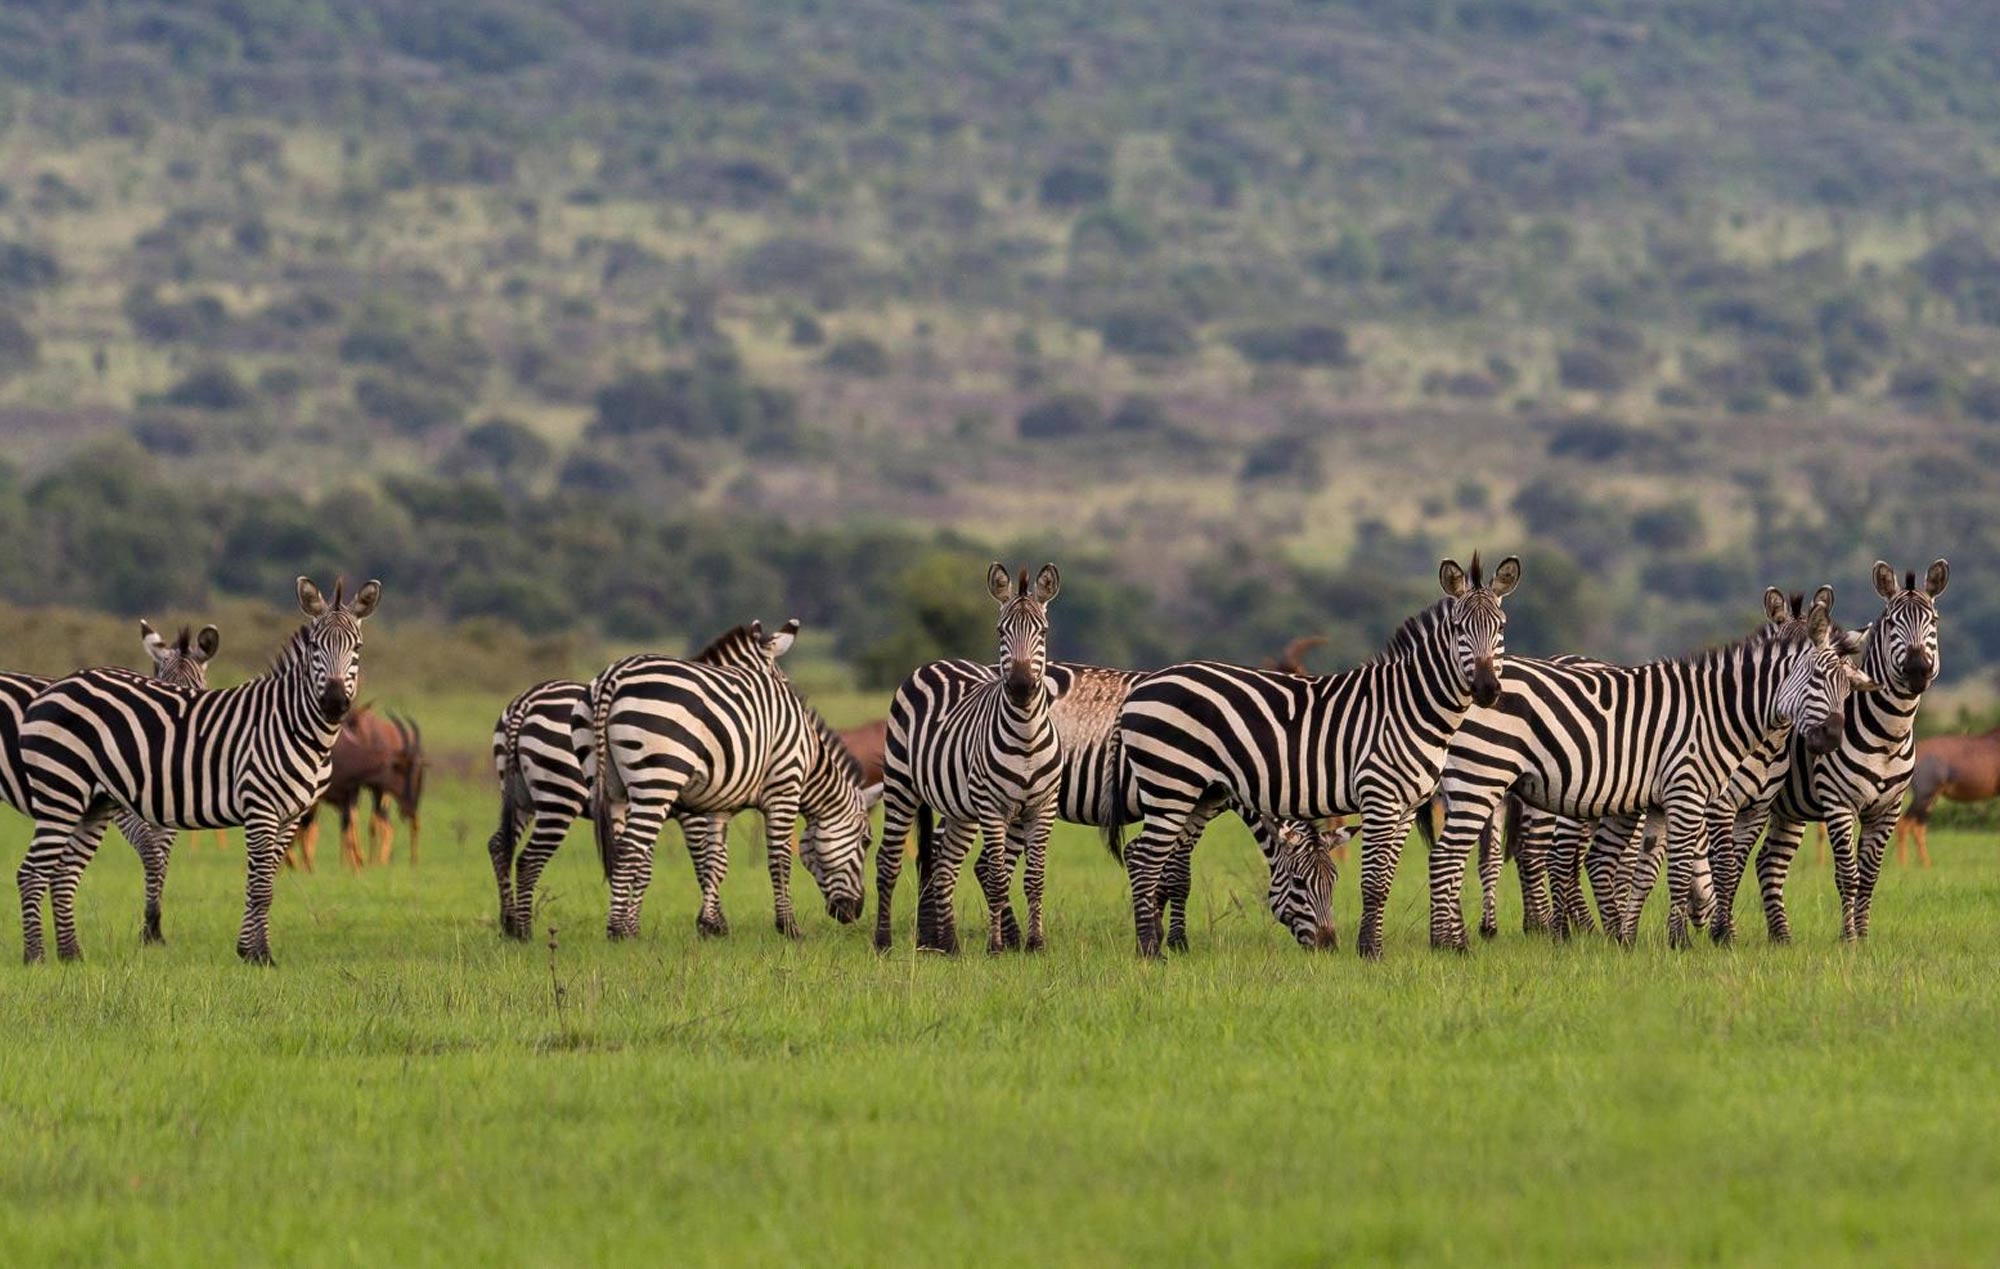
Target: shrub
{"type": "Point", "coordinates": [502, 448]}
{"type": "Point", "coordinates": [411, 408]}
{"type": "Point", "coordinates": [25, 267]}
{"type": "Point", "coordinates": [1064, 415]}
{"type": "Point", "coordinates": [168, 435]}
{"type": "Point", "coordinates": [199, 318]}
{"type": "Point", "coordinates": [1306, 344]}
{"type": "Point", "coordinates": [1923, 386]}
{"type": "Point", "coordinates": [1982, 399]}
{"type": "Point", "coordinates": [19, 349]}
{"type": "Point", "coordinates": [1147, 332]}
{"type": "Point", "coordinates": [1675, 527]}
{"type": "Point", "coordinates": [1593, 439]}
{"type": "Point", "coordinates": [1071, 184]}
{"type": "Point", "coordinates": [708, 399]}
{"type": "Point", "coordinates": [1141, 413]}
{"type": "Point", "coordinates": [1288, 457]}
{"type": "Point", "coordinates": [806, 331]}
{"type": "Point", "coordinates": [858, 355]}
{"type": "Point", "coordinates": [210, 387]}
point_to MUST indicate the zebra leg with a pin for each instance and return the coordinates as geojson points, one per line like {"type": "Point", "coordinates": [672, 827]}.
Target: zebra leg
{"type": "Point", "coordinates": [1569, 915]}
{"type": "Point", "coordinates": [1145, 865]}
{"type": "Point", "coordinates": [897, 812]}
{"type": "Point", "coordinates": [76, 856]}
{"type": "Point", "coordinates": [548, 833]}
{"type": "Point", "coordinates": [156, 848]}
{"type": "Point", "coordinates": [1840, 836]}
{"type": "Point", "coordinates": [1687, 826]}
{"type": "Point", "coordinates": [263, 846]}
{"type": "Point", "coordinates": [632, 872]}
{"type": "Point", "coordinates": [1603, 865]}
{"type": "Point", "coordinates": [939, 930]}
{"type": "Point", "coordinates": [994, 873]}
{"type": "Point", "coordinates": [1176, 884]}
{"type": "Point", "coordinates": [1033, 875]}
{"type": "Point", "coordinates": [1774, 864]}
{"type": "Point", "coordinates": [33, 879]}
{"type": "Point", "coordinates": [1638, 868]}
{"type": "Point", "coordinates": [1876, 826]}
{"type": "Point", "coordinates": [500, 853]}
{"type": "Point", "coordinates": [1532, 861]}
{"type": "Point", "coordinates": [1490, 859]}
{"type": "Point", "coordinates": [1731, 834]}
{"type": "Point", "coordinates": [708, 846]}
{"type": "Point", "coordinates": [780, 817]}
{"type": "Point", "coordinates": [995, 868]}
{"type": "Point", "coordinates": [1464, 815]}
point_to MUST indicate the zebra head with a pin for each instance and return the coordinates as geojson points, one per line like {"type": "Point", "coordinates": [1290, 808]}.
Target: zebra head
{"type": "Point", "coordinates": [332, 643]}
{"type": "Point", "coordinates": [1812, 695]}
{"type": "Point", "coordinates": [1478, 627]}
{"type": "Point", "coordinates": [1023, 626]}
{"type": "Point", "coordinates": [184, 662]}
{"type": "Point", "coordinates": [834, 847]}
{"type": "Point", "coordinates": [1302, 877]}
{"type": "Point", "coordinates": [1903, 650]}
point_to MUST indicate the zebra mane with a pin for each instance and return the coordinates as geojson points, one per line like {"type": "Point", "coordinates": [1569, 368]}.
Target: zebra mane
{"type": "Point", "coordinates": [737, 636]}
{"type": "Point", "coordinates": [830, 739]}
{"type": "Point", "coordinates": [1410, 635]}
{"type": "Point", "coordinates": [1770, 636]}
{"type": "Point", "coordinates": [293, 652]}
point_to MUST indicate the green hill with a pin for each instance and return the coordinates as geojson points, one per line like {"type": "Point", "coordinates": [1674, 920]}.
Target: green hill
{"type": "Point", "coordinates": [636, 315]}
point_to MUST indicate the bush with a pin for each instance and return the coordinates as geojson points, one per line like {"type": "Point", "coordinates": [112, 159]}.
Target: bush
{"type": "Point", "coordinates": [19, 349]}
{"type": "Point", "coordinates": [199, 318]}
{"type": "Point", "coordinates": [1061, 416]}
{"type": "Point", "coordinates": [1288, 457]}
{"type": "Point", "coordinates": [1072, 184]}
{"type": "Point", "coordinates": [1923, 387]}
{"type": "Point", "coordinates": [25, 267]}
{"type": "Point", "coordinates": [710, 399]}
{"type": "Point", "coordinates": [210, 387]}
{"type": "Point", "coordinates": [410, 408]}
{"type": "Point", "coordinates": [1675, 527]}
{"type": "Point", "coordinates": [858, 355]}
{"type": "Point", "coordinates": [1147, 332]}
{"type": "Point", "coordinates": [168, 435]}
{"type": "Point", "coordinates": [502, 448]}
{"type": "Point", "coordinates": [1982, 399]}
{"type": "Point", "coordinates": [1141, 413]}
{"type": "Point", "coordinates": [806, 331]}
{"type": "Point", "coordinates": [1593, 439]}
{"type": "Point", "coordinates": [1306, 344]}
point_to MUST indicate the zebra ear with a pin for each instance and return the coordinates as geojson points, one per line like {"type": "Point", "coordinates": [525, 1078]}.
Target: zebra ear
{"type": "Point", "coordinates": [311, 602]}
{"type": "Point", "coordinates": [999, 584]}
{"type": "Point", "coordinates": [781, 643]}
{"type": "Point", "coordinates": [150, 640]}
{"type": "Point", "coordinates": [1851, 642]}
{"type": "Point", "coordinates": [872, 794]}
{"type": "Point", "coordinates": [1819, 626]}
{"type": "Point", "coordinates": [1936, 578]}
{"type": "Point", "coordinates": [365, 599]}
{"type": "Point", "coordinates": [1885, 580]}
{"type": "Point", "coordinates": [1048, 584]}
{"type": "Point", "coordinates": [1506, 577]}
{"type": "Point", "coordinates": [1823, 598]}
{"type": "Point", "coordinates": [1776, 608]}
{"type": "Point", "coordinates": [1452, 578]}
{"type": "Point", "coordinates": [1860, 682]}
{"type": "Point", "coordinates": [207, 642]}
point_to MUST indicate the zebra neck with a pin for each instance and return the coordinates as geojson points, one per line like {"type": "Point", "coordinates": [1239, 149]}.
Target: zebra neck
{"type": "Point", "coordinates": [1738, 690]}
{"type": "Point", "coordinates": [290, 692]}
{"type": "Point", "coordinates": [1026, 721]}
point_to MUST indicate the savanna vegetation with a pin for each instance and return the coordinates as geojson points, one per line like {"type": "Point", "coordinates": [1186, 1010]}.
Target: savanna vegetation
{"type": "Point", "coordinates": [624, 316]}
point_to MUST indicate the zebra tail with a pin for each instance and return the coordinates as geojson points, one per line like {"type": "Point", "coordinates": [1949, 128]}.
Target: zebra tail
{"type": "Point", "coordinates": [926, 838]}
{"type": "Point", "coordinates": [1112, 797]}
{"type": "Point", "coordinates": [514, 797]}
{"type": "Point", "coordinates": [602, 791]}
{"type": "Point", "coordinates": [1427, 823]}
{"type": "Point", "coordinates": [1516, 808]}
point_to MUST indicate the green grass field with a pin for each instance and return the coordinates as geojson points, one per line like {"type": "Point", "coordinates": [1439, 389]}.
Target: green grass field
{"type": "Point", "coordinates": [406, 1088]}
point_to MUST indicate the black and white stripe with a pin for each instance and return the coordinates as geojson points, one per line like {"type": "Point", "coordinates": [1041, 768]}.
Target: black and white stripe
{"type": "Point", "coordinates": [182, 662]}
{"type": "Point", "coordinates": [974, 745]}
{"type": "Point", "coordinates": [1863, 780]}
{"type": "Point", "coordinates": [257, 755]}
{"type": "Point", "coordinates": [659, 737]}
{"type": "Point", "coordinates": [1588, 740]}
{"type": "Point", "coordinates": [1306, 747]}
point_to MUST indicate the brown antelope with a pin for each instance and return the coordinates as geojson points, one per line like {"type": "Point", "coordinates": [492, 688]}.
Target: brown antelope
{"type": "Point", "coordinates": [1962, 768]}
{"type": "Point", "coordinates": [867, 743]}
{"type": "Point", "coordinates": [377, 753]}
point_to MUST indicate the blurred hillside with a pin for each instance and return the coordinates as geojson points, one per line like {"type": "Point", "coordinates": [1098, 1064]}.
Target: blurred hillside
{"type": "Point", "coordinates": [644, 317]}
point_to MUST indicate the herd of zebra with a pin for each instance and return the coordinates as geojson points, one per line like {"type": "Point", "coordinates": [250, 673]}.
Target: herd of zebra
{"type": "Point", "coordinates": [1777, 729]}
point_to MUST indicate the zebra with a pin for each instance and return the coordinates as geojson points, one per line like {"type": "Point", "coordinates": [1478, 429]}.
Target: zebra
{"type": "Point", "coordinates": [258, 755]}
{"type": "Point", "coordinates": [1589, 740]}
{"type": "Point", "coordinates": [542, 781]}
{"type": "Point", "coordinates": [1371, 739]}
{"type": "Point", "coordinates": [974, 745]}
{"type": "Point", "coordinates": [1083, 708]}
{"type": "Point", "coordinates": [1864, 779]}
{"type": "Point", "coordinates": [1556, 843]}
{"type": "Point", "coordinates": [658, 736]}
{"type": "Point", "coordinates": [182, 662]}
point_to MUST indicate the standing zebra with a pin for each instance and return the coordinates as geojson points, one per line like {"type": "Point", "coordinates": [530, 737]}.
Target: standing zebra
{"type": "Point", "coordinates": [658, 736]}
{"type": "Point", "coordinates": [183, 663]}
{"type": "Point", "coordinates": [1863, 779]}
{"type": "Point", "coordinates": [1309, 746]}
{"type": "Point", "coordinates": [1589, 740]}
{"type": "Point", "coordinates": [255, 755]}
{"type": "Point", "coordinates": [975, 746]}
{"type": "Point", "coordinates": [1084, 701]}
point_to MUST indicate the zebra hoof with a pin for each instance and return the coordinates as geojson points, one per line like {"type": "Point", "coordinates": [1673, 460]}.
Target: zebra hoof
{"type": "Point", "coordinates": [790, 929]}
{"type": "Point", "coordinates": [69, 955]}
{"type": "Point", "coordinates": [260, 956]}
{"type": "Point", "coordinates": [1177, 943]}
{"type": "Point", "coordinates": [1368, 949]}
{"type": "Point", "coordinates": [152, 938]}
{"type": "Point", "coordinates": [1489, 930]}
{"type": "Point", "coordinates": [716, 928]}
{"type": "Point", "coordinates": [884, 941]}
{"type": "Point", "coordinates": [1036, 943]}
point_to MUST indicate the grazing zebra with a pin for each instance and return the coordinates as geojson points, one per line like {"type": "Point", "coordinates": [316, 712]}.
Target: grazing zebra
{"type": "Point", "coordinates": [1084, 701]}
{"type": "Point", "coordinates": [975, 746]}
{"type": "Point", "coordinates": [1863, 779]}
{"type": "Point", "coordinates": [724, 732]}
{"type": "Point", "coordinates": [255, 755]}
{"type": "Point", "coordinates": [1590, 740]}
{"type": "Point", "coordinates": [1310, 746]}
{"type": "Point", "coordinates": [183, 663]}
